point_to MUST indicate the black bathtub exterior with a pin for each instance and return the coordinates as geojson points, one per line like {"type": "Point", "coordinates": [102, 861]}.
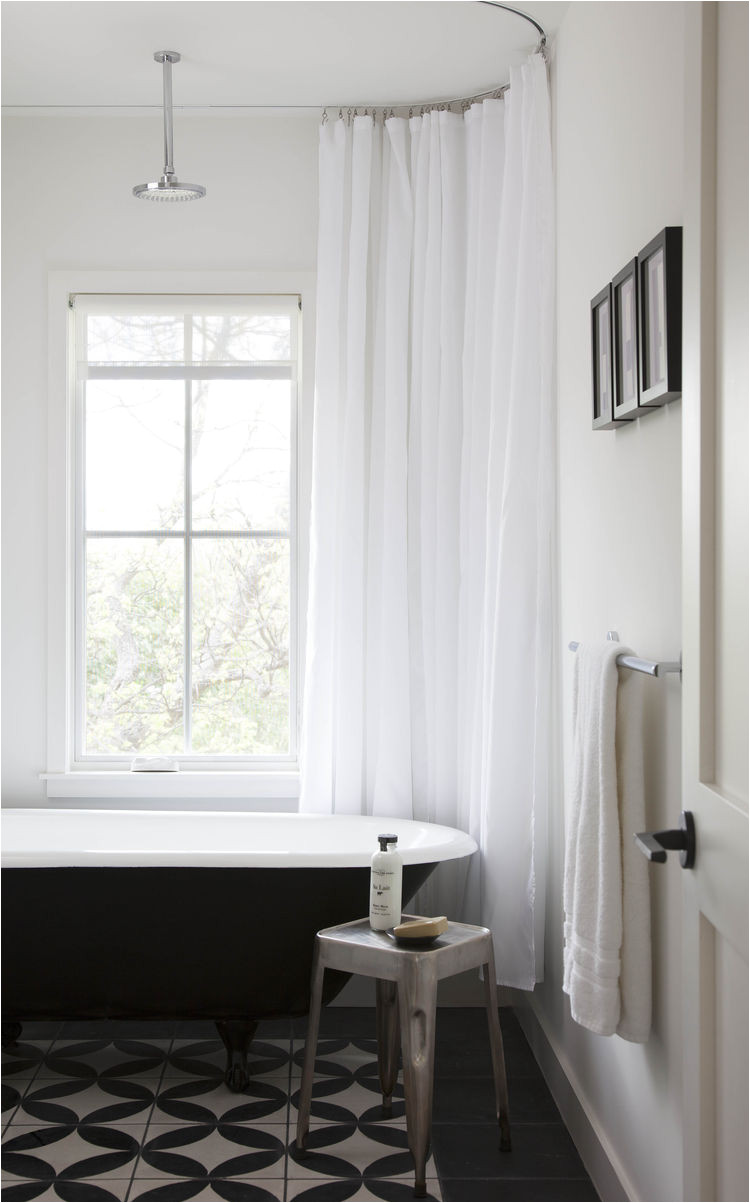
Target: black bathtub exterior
{"type": "Point", "coordinates": [172, 942]}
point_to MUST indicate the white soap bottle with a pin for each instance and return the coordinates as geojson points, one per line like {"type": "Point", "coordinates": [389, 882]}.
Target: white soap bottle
{"type": "Point", "coordinates": [385, 885]}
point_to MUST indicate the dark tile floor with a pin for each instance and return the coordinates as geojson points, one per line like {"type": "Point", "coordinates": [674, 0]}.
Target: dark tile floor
{"type": "Point", "coordinates": [140, 1111]}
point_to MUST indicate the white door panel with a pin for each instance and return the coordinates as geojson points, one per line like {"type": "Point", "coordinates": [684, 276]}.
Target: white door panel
{"type": "Point", "coordinates": [715, 619]}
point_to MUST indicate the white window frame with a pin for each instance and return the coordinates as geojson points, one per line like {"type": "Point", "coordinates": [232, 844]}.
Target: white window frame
{"type": "Point", "coordinates": [261, 784]}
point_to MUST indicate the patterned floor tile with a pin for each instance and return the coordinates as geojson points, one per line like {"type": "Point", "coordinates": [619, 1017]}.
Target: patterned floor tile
{"type": "Point", "coordinates": [355, 1059]}
{"type": "Point", "coordinates": [189, 1188]}
{"type": "Point", "coordinates": [207, 1059]}
{"type": "Point", "coordinates": [211, 1153]}
{"type": "Point", "coordinates": [92, 1059]}
{"type": "Point", "coordinates": [72, 1192]}
{"type": "Point", "coordinates": [22, 1061]}
{"type": "Point", "coordinates": [11, 1099]}
{"type": "Point", "coordinates": [208, 1101]}
{"type": "Point", "coordinates": [332, 1189]}
{"type": "Point", "coordinates": [341, 1101]}
{"type": "Point", "coordinates": [354, 1152]}
{"type": "Point", "coordinates": [75, 1114]}
{"type": "Point", "coordinates": [106, 1100]}
{"type": "Point", "coordinates": [66, 1153]}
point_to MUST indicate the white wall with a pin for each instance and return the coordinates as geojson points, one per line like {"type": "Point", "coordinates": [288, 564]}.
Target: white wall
{"type": "Point", "coordinates": [618, 104]}
{"type": "Point", "coordinates": [67, 204]}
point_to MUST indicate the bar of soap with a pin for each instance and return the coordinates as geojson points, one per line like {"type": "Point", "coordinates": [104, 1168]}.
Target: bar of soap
{"type": "Point", "coordinates": [421, 929]}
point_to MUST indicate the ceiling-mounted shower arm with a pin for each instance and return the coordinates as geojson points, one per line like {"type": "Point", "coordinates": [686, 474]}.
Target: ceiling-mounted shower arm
{"type": "Point", "coordinates": [168, 187]}
{"type": "Point", "coordinates": [166, 58]}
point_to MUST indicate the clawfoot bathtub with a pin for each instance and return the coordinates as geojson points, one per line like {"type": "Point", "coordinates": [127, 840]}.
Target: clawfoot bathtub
{"type": "Point", "coordinates": [186, 915]}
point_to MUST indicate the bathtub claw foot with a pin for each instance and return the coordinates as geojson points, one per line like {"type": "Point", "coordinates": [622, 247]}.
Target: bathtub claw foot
{"type": "Point", "coordinates": [236, 1036]}
{"type": "Point", "coordinates": [237, 1077]}
{"type": "Point", "coordinates": [11, 1031]}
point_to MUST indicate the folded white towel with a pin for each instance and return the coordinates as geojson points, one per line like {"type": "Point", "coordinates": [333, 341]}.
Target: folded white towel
{"type": "Point", "coordinates": [607, 959]}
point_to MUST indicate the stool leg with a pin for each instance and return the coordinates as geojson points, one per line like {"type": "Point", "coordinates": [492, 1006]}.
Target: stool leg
{"type": "Point", "coordinates": [498, 1055]}
{"type": "Point", "coordinates": [386, 1000]}
{"type": "Point", "coordinates": [313, 1023]}
{"type": "Point", "coordinates": [417, 995]}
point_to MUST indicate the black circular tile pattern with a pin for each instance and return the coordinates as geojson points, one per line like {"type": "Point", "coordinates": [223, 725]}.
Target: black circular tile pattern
{"type": "Point", "coordinates": [19, 1058]}
{"type": "Point", "coordinates": [334, 1112]}
{"type": "Point", "coordinates": [161, 1154]}
{"type": "Point", "coordinates": [128, 1099]}
{"type": "Point", "coordinates": [74, 1192]}
{"type": "Point", "coordinates": [23, 1154]}
{"type": "Point", "coordinates": [190, 1188]}
{"type": "Point", "coordinates": [11, 1097]}
{"type": "Point", "coordinates": [85, 1059]}
{"type": "Point", "coordinates": [332, 1192]}
{"type": "Point", "coordinates": [320, 1157]}
{"type": "Point", "coordinates": [262, 1059]}
{"type": "Point", "coordinates": [182, 1100]}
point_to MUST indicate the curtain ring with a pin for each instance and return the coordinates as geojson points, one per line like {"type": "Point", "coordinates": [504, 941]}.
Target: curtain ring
{"type": "Point", "coordinates": [341, 115]}
{"type": "Point", "coordinates": [349, 116]}
{"type": "Point", "coordinates": [324, 118]}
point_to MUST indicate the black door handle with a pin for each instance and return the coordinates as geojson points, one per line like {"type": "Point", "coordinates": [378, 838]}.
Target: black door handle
{"type": "Point", "coordinates": [655, 844]}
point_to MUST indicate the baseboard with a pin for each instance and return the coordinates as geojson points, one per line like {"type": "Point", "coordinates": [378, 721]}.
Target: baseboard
{"type": "Point", "coordinates": [602, 1164]}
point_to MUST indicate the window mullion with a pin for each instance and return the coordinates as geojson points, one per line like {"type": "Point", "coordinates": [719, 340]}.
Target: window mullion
{"type": "Point", "coordinates": [188, 674]}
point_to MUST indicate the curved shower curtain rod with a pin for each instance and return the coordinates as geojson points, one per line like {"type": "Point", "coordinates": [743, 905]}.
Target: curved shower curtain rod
{"type": "Point", "coordinates": [541, 48]}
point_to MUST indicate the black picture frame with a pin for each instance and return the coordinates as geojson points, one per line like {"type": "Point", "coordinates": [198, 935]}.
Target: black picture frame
{"type": "Point", "coordinates": [626, 341]}
{"type": "Point", "coordinates": [660, 318]}
{"type": "Point", "coordinates": [602, 363]}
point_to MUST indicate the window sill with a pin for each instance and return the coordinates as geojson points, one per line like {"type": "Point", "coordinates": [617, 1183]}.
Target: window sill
{"type": "Point", "coordinates": [108, 783]}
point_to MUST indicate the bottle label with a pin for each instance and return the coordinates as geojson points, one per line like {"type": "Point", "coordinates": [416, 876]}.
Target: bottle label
{"type": "Point", "coordinates": [382, 883]}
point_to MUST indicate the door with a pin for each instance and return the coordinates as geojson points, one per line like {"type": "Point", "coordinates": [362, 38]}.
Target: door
{"type": "Point", "coordinates": [715, 617]}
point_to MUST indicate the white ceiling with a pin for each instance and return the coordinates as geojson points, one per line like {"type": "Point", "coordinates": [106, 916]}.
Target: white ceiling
{"type": "Point", "coordinates": [98, 53]}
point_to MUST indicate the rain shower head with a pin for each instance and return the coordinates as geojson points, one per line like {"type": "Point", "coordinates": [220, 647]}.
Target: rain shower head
{"type": "Point", "coordinates": [168, 187]}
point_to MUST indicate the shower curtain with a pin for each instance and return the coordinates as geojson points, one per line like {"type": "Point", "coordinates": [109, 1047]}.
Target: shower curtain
{"type": "Point", "coordinates": [427, 680]}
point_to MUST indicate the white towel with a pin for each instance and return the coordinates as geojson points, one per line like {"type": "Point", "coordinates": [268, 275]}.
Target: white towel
{"type": "Point", "coordinates": [607, 959]}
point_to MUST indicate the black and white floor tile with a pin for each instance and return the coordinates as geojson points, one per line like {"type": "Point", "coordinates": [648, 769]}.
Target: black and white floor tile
{"type": "Point", "coordinates": [141, 1111]}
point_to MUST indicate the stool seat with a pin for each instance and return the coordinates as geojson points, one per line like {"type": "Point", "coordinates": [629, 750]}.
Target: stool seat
{"type": "Point", "coordinates": [406, 997]}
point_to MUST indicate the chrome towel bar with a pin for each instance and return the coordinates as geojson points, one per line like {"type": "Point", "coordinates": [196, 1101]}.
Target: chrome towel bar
{"type": "Point", "coordinates": [654, 668]}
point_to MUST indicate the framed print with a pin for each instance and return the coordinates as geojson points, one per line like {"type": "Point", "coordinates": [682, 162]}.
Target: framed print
{"type": "Point", "coordinates": [602, 367]}
{"type": "Point", "coordinates": [660, 318]}
{"type": "Point", "coordinates": [625, 341]}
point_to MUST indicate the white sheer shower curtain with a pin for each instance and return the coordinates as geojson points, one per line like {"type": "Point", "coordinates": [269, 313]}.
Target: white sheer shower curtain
{"type": "Point", "coordinates": [428, 642]}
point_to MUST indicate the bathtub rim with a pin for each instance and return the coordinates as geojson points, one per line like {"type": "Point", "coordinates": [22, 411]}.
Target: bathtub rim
{"type": "Point", "coordinates": [438, 842]}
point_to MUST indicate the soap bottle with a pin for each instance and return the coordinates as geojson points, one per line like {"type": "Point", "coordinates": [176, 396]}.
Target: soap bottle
{"type": "Point", "coordinates": [385, 885]}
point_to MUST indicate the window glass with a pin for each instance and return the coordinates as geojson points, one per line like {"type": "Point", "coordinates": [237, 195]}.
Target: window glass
{"type": "Point", "coordinates": [134, 646]}
{"type": "Point", "coordinates": [186, 535]}
{"type": "Point", "coordinates": [241, 454]}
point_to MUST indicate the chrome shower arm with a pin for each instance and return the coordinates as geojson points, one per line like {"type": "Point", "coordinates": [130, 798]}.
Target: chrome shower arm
{"type": "Point", "coordinates": [166, 58]}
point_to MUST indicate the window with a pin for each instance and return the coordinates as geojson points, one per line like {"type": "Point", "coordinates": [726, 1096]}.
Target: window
{"type": "Point", "coordinates": [185, 528]}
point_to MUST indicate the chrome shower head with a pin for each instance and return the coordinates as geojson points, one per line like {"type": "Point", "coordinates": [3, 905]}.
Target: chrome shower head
{"type": "Point", "coordinates": [168, 187]}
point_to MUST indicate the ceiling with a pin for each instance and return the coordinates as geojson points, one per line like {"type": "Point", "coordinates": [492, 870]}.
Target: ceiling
{"type": "Point", "coordinates": [97, 54]}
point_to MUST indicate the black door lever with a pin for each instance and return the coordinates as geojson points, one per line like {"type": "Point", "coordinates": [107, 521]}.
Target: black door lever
{"type": "Point", "coordinates": [655, 844]}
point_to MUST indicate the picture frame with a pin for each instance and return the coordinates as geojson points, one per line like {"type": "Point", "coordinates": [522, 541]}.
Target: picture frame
{"type": "Point", "coordinates": [626, 341]}
{"type": "Point", "coordinates": [660, 318]}
{"type": "Point", "coordinates": [602, 362]}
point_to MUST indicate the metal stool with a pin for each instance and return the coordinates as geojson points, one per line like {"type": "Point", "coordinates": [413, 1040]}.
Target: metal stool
{"type": "Point", "coordinates": [406, 985]}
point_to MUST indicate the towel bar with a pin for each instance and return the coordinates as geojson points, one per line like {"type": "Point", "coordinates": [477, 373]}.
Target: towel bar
{"type": "Point", "coordinates": [654, 668]}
